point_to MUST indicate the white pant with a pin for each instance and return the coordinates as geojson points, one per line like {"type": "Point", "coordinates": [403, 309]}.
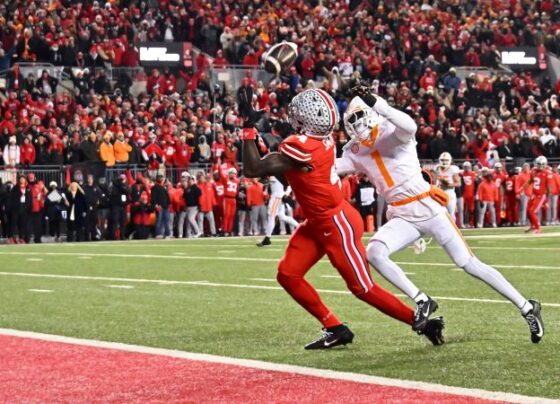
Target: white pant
{"type": "Point", "coordinates": [552, 216]}
{"type": "Point", "coordinates": [192, 225]}
{"type": "Point", "coordinates": [210, 217]}
{"type": "Point", "coordinates": [397, 234]}
{"type": "Point", "coordinates": [452, 204]}
{"type": "Point", "coordinates": [258, 214]}
{"type": "Point", "coordinates": [277, 208]}
{"type": "Point", "coordinates": [523, 201]}
{"type": "Point", "coordinates": [482, 211]}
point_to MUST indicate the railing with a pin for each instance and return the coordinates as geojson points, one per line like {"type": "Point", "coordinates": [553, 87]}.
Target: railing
{"type": "Point", "coordinates": [232, 75]}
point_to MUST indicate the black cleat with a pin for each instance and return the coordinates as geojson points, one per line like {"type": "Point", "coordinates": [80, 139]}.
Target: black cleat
{"type": "Point", "coordinates": [534, 320]}
{"type": "Point", "coordinates": [266, 241]}
{"type": "Point", "coordinates": [423, 311]}
{"type": "Point", "coordinates": [434, 330]}
{"type": "Point", "coordinates": [333, 336]}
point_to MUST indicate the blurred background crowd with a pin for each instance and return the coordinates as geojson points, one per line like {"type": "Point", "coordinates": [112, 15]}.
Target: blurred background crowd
{"type": "Point", "coordinates": [75, 89]}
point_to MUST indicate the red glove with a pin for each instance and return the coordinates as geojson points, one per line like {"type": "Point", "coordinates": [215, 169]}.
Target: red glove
{"type": "Point", "coordinates": [248, 134]}
{"type": "Point", "coordinates": [261, 145]}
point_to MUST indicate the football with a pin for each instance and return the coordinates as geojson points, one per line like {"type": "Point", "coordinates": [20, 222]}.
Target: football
{"type": "Point", "coordinates": [280, 57]}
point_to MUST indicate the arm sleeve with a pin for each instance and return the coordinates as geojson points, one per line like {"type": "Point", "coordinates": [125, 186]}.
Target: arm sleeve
{"type": "Point", "coordinates": [344, 165]}
{"type": "Point", "coordinates": [405, 127]}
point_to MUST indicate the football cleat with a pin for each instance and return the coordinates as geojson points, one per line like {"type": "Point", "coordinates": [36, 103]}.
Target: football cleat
{"type": "Point", "coordinates": [423, 310]}
{"type": "Point", "coordinates": [332, 336]}
{"type": "Point", "coordinates": [266, 241]}
{"type": "Point", "coordinates": [434, 330]}
{"type": "Point", "coordinates": [534, 320]}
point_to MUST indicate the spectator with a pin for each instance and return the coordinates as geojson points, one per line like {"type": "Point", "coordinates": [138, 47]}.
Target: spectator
{"type": "Point", "coordinates": [107, 151]}
{"type": "Point", "coordinates": [93, 197]}
{"type": "Point", "coordinates": [119, 199]}
{"type": "Point", "coordinates": [255, 202]}
{"type": "Point", "coordinates": [121, 149]}
{"type": "Point", "coordinates": [19, 206]}
{"type": "Point", "coordinates": [54, 206]}
{"type": "Point", "coordinates": [77, 209]}
{"type": "Point", "coordinates": [161, 202]}
{"type": "Point", "coordinates": [207, 201]}
{"type": "Point", "coordinates": [12, 153]}
{"type": "Point", "coordinates": [192, 197]}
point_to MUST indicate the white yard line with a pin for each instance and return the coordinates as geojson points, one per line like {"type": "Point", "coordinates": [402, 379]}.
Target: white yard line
{"type": "Point", "coordinates": [228, 285]}
{"type": "Point", "coordinates": [247, 259]}
{"type": "Point", "coordinates": [40, 290]}
{"type": "Point", "coordinates": [277, 367]}
{"type": "Point", "coordinates": [120, 286]}
{"type": "Point", "coordinates": [262, 279]}
{"type": "Point", "coordinates": [34, 259]}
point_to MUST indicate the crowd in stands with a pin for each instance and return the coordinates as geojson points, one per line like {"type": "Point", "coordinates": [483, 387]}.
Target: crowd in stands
{"type": "Point", "coordinates": [407, 51]}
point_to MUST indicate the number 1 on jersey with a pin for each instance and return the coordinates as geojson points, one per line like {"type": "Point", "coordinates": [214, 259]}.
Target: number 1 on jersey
{"type": "Point", "coordinates": [376, 156]}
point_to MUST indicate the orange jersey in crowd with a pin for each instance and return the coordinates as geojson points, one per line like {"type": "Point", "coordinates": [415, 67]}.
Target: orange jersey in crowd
{"type": "Point", "coordinates": [317, 191]}
{"type": "Point", "coordinates": [469, 184]}
{"type": "Point", "coordinates": [487, 191]}
{"type": "Point", "coordinates": [541, 181]}
{"type": "Point", "coordinates": [522, 185]}
{"type": "Point", "coordinates": [255, 194]}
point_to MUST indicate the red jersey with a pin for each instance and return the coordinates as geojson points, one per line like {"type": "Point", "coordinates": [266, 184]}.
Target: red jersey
{"type": "Point", "coordinates": [541, 181]}
{"type": "Point", "coordinates": [509, 185]}
{"type": "Point", "coordinates": [499, 178]}
{"type": "Point", "coordinates": [219, 191]}
{"type": "Point", "coordinates": [317, 191]}
{"type": "Point", "coordinates": [231, 186]}
{"type": "Point", "coordinates": [469, 179]}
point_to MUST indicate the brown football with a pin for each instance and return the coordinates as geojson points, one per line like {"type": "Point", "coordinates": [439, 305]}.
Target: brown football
{"type": "Point", "coordinates": [280, 57]}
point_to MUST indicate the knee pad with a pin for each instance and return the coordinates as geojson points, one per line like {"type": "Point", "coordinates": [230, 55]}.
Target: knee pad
{"type": "Point", "coordinates": [376, 251]}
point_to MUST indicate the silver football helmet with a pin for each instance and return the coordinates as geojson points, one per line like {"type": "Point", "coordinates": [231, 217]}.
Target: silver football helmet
{"type": "Point", "coordinates": [313, 113]}
{"type": "Point", "coordinates": [541, 162]}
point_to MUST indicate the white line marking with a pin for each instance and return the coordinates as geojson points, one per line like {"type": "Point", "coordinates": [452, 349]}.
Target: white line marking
{"type": "Point", "coordinates": [250, 259]}
{"type": "Point", "coordinates": [339, 277]}
{"type": "Point", "coordinates": [227, 251]}
{"type": "Point", "coordinates": [262, 279]}
{"type": "Point", "coordinates": [85, 258]}
{"type": "Point", "coordinates": [512, 236]}
{"type": "Point", "coordinates": [34, 259]}
{"type": "Point", "coordinates": [229, 285]}
{"type": "Point", "coordinates": [40, 290]}
{"type": "Point", "coordinates": [278, 367]}
{"type": "Point", "coordinates": [121, 286]}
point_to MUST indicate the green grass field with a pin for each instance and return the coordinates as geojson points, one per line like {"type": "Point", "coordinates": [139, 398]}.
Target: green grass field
{"type": "Point", "coordinates": [219, 296]}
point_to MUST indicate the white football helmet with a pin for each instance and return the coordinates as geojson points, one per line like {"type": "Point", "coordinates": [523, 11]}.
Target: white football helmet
{"type": "Point", "coordinates": [232, 171]}
{"type": "Point", "coordinates": [313, 113]}
{"type": "Point", "coordinates": [541, 162]}
{"type": "Point", "coordinates": [498, 166]}
{"type": "Point", "coordinates": [445, 160]}
{"type": "Point", "coordinates": [360, 119]}
{"type": "Point", "coordinates": [467, 165]}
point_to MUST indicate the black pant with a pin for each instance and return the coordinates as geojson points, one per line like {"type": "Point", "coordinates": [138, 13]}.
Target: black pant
{"type": "Point", "coordinates": [19, 224]}
{"type": "Point", "coordinates": [91, 225]}
{"type": "Point", "coordinates": [74, 230]}
{"type": "Point", "coordinates": [37, 226]}
{"type": "Point", "coordinates": [118, 220]}
{"type": "Point", "coordinates": [141, 232]}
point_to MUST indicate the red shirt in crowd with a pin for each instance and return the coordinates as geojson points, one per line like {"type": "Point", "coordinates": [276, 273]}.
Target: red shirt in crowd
{"type": "Point", "coordinates": [208, 196]}
{"type": "Point", "coordinates": [487, 191]}
{"type": "Point", "coordinates": [255, 194]}
{"type": "Point", "coordinates": [469, 178]}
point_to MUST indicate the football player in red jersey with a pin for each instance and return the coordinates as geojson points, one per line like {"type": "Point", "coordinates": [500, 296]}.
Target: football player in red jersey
{"type": "Point", "coordinates": [540, 179]}
{"type": "Point", "coordinates": [333, 227]}
{"type": "Point", "coordinates": [231, 188]}
{"type": "Point", "coordinates": [499, 177]}
{"type": "Point", "coordinates": [512, 210]}
{"type": "Point", "coordinates": [469, 185]}
{"type": "Point", "coordinates": [219, 191]}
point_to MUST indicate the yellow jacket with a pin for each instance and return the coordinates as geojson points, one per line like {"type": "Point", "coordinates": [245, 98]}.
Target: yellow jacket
{"type": "Point", "coordinates": [107, 154]}
{"type": "Point", "coordinates": [121, 151]}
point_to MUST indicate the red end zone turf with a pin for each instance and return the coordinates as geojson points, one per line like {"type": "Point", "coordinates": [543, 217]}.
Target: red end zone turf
{"type": "Point", "coordinates": [42, 371]}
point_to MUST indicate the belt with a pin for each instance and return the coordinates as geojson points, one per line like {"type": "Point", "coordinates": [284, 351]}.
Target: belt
{"type": "Point", "coordinates": [411, 199]}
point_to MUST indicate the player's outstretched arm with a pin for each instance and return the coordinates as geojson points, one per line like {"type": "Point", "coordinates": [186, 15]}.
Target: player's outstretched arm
{"type": "Point", "coordinates": [272, 164]}
{"type": "Point", "coordinates": [405, 126]}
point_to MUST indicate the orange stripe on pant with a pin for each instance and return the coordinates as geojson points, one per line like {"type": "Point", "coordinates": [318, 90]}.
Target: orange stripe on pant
{"type": "Point", "coordinates": [459, 233]}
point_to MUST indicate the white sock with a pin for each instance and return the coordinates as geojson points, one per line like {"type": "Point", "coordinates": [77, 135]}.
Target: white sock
{"type": "Point", "coordinates": [526, 308]}
{"type": "Point", "coordinates": [421, 297]}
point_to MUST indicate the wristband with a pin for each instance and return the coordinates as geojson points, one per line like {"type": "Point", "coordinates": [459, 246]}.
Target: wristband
{"type": "Point", "coordinates": [248, 134]}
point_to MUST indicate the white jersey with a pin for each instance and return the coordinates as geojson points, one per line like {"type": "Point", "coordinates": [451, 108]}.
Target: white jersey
{"type": "Point", "coordinates": [390, 161]}
{"type": "Point", "coordinates": [446, 174]}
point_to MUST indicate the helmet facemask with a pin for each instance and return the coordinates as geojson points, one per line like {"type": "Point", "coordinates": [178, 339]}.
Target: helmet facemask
{"type": "Point", "coordinates": [360, 120]}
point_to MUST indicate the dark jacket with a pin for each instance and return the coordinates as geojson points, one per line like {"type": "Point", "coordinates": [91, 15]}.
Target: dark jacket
{"type": "Point", "coordinates": [119, 193]}
{"type": "Point", "coordinates": [89, 150]}
{"type": "Point", "coordinates": [191, 195]}
{"type": "Point", "coordinates": [78, 203]}
{"type": "Point", "coordinates": [160, 196]}
{"type": "Point", "coordinates": [93, 196]}
{"type": "Point", "coordinates": [17, 204]}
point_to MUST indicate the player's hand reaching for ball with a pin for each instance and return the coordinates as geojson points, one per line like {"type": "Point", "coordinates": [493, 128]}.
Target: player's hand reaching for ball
{"type": "Point", "coordinates": [364, 93]}
{"type": "Point", "coordinates": [245, 103]}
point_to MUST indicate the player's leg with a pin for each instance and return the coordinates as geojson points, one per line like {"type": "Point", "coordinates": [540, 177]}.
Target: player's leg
{"type": "Point", "coordinates": [282, 216]}
{"type": "Point", "coordinates": [444, 230]}
{"type": "Point", "coordinates": [481, 214]}
{"type": "Point", "coordinates": [380, 211]}
{"type": "Point", "coordinates": [532, 209]}
{"type": "Point", "coordinates": [347, 254]}
{"type": "Point", "coordinates": [492, 210]}
{"type": "Point", "coordinates": [273, 205]}
{"type": "Point", "coordinates": [302, 253]}
{"type": "Point", "coordinates": [461, 211]}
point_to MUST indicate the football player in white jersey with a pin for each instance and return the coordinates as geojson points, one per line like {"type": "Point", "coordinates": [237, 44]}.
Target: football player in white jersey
{"type": "Point", "coordinates": [276, 208]}
{"type": "Point", "coordinates": [383, 147]}
{"type": "Point", "coordinates": [447, 178]}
